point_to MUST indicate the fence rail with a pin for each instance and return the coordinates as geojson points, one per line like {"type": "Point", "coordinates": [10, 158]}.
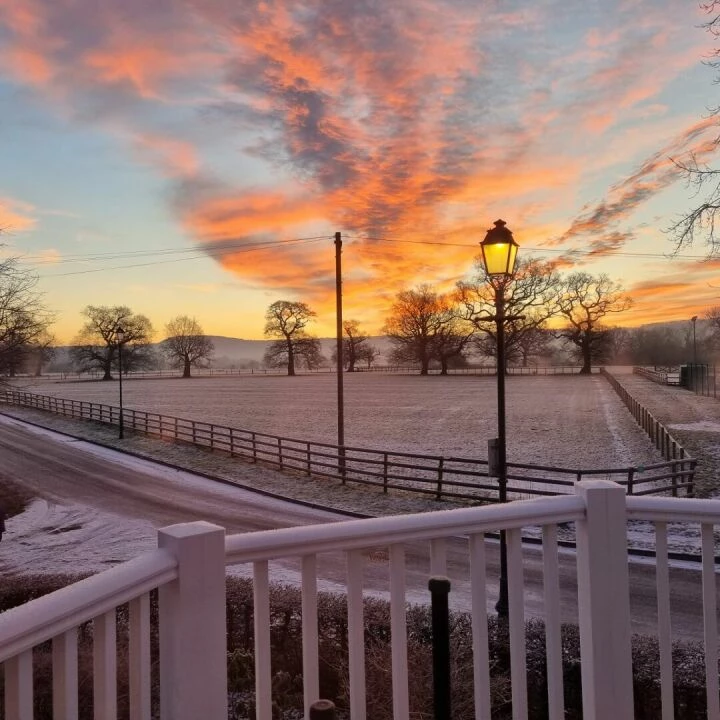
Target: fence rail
{"type": "Point", "coordinates": [437, 476]}
{"type": "Point", "coordinates": [670, 448]}
{"type": "Point", "coordinates": [481, 370]}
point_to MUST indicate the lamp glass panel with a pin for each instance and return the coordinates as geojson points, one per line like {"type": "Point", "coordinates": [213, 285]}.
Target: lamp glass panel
{"type": "Point", "coordinates": [499, 258]}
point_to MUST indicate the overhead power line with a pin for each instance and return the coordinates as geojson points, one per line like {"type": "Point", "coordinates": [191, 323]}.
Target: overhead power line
{"type": "Point", "coordinates": [581, 253]}
{"type": "Point", "coordinates": [211, 251]}
{"type": "Point", "coordinates": [168, 255]}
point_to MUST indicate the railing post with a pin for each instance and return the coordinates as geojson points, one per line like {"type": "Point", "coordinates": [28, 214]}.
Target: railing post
{"type": "Point", "coordinates": [193, 647]}
{"type": "Point", "coordinates": [604, 602]}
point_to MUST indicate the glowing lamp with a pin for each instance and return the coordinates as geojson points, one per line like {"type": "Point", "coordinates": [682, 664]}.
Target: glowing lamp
{"type": "Point", "coordinates": [499, 251]}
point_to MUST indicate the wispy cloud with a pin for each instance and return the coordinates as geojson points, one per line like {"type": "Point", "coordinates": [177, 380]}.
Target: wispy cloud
{"type": "Point", "coordinates": [409, 121]}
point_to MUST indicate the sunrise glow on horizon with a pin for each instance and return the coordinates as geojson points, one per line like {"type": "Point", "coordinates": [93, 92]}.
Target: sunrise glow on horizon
{"type": "Point", "coordinates": [197, 158]}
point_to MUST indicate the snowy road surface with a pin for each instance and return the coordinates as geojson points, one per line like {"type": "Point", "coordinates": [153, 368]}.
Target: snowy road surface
{"type": "Point", "coordinates": [96, 507]}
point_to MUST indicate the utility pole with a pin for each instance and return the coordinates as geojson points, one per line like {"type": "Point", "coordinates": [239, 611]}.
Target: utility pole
{"type": "Point", "coordinates": [339, 353]}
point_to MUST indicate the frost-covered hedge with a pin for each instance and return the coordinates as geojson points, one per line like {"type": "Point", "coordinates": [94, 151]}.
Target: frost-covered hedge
{"type": "Point", "coordinates": [287, 659]}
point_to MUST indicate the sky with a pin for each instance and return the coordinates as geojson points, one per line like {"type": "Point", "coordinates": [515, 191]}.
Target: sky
{"type": "Point", "coordinates": [196, 158]}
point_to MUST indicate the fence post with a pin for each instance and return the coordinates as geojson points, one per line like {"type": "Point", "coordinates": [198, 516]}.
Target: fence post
{"type": "Point", "coordinates": [674, 481]}
{"type": "Point", "coordinates": [193, 646]}
{"type": "Point", "coordinates": [604, 602]}
{"type": "Point", "coordinates": [438, 494]}
{"type": "Point", "coordinates": [254, 447]}
{"type": "Point", "coordinates": [631, 476]}
{"type": "Point", "coordinates": [309, 460]}
{"type": "Point", "coordinates": [280, 455]}
{"type": "Point", "coordinates": [385, 473]}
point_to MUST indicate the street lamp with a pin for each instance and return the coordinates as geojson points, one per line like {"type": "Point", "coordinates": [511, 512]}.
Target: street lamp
{"type": "Point", "coordinates": [499, 251]}
{"type": "Point", "coordinates": [693, 320]}
{"type": "Point", "coordinates": [120, 337]}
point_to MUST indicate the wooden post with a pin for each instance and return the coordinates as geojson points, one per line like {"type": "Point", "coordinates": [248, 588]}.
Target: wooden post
{"type": "Point", "coordinates": [193, 645]}
{"type": "Point", "coordinates": [604, 602]}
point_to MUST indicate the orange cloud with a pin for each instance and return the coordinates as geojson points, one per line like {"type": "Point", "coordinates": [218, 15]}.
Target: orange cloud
{"type": "Point", "coordinates": [14, 215]}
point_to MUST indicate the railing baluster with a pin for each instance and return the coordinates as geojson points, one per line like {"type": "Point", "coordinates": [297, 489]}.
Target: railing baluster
{"type": "Point", "coordinates": [481, 658]}
{"type": "Point", "coordinates": [311, 676]}
{"type": "Point", "coordinates": [398, 633]}
{"type": "Point", "coordinates": [65, 676]}
{"type": "Point", "coordinates": [516, 618]}
{"type": "Point", "coordinates": [553, 639]}
{"type": "Point", "coordinates": [710, 624]}
{"type": "Point", "coordinates": [104, 667]}
{"type": "Point", "coordinates": [19, 687]}
{"type": "Point", "coordinates": [664, 626]}
{"type": "Point", "coordinates": [139, 651]}
{"type": "Point", "coordinates": [263, 677]}
{"type": "Point", "coordinates": [356, 635]}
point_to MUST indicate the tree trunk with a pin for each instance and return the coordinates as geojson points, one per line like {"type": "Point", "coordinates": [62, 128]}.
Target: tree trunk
{"type": "Point", "coordinates": [443, 366]}
{"type": "Point", "coordinates": [108, 367]}
{"type": "Point", "coordinates": [586, 368]}
{"type": "Point", "coordinates": [291, 361]}
{"type": "Point", "coordinates": [425, 366]}
{"type": "Point", "coordinates": [186, 368]}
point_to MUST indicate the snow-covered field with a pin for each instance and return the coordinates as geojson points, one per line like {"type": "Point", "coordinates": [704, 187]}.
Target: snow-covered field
{"type": "Point", "coordinates": [575, 422]}
{"type": "Point", "coordinates": [567, 421]}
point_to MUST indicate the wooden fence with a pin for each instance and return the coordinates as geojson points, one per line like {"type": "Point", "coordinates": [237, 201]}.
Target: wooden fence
{"type": "Point", "coordinates": [437, 476]}
{"type": "Point", "coordinates": [670, 448]}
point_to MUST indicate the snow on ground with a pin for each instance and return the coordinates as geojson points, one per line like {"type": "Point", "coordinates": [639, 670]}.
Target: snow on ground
{"type": "Point", "coordinates": [59, 538]}
{"type": "Point", "coordinates": [569, 421]}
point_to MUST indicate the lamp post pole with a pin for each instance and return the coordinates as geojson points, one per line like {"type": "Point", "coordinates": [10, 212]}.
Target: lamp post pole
{"type": "Point", "coordinates": [693, 320]}
{"type": "Point", "coordinates": [120, 337]}
{"type": "Point", "coordinates": [499, 251]}
{"type": "Point", "coordinates": [502, 604]}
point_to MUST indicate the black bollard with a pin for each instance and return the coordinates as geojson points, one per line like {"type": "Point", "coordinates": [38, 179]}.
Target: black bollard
{"type": "Point", "coordinates": [439, 591]}
{"type": "Point", "coordinates": [322, 710]}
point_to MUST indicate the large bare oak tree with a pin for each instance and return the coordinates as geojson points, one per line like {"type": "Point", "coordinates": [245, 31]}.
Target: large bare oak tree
{"type": "Point", "coordinates": [583, 302]}
{"type": "Point", "coordinates": [529, 303]}
{"type": "Point", "coordinates": [186, 345]}
{"type": "Point", "coordinates": [286, 321]}
{"type": "Point", "coordinates": [96, 346]}
{"type": "Point", "coordinates": [24, 320]}
{"type": "Point", "coordinates": [423, 325]}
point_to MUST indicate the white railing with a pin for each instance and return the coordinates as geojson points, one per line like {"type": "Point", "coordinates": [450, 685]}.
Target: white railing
{"type": "Point", "coordinates": [189, 571]}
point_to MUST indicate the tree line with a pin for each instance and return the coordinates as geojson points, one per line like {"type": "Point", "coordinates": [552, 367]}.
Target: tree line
{"type": "Point", "coordinates": [426, 329]}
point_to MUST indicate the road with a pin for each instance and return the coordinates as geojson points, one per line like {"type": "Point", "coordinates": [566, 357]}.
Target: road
{"type": "Point", "coordinates": [98, 506]}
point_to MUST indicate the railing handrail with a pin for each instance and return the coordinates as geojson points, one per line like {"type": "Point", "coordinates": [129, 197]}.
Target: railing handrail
{"type": "Point", "coordinates": [25, 626]}
{"type": "Point", "coordinates": [353, 534]}
{"type": "Point", "coordinates": [663, 509]}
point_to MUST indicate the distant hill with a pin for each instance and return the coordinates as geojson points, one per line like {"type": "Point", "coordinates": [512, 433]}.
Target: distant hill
{"type": "Point", "coordinates": [236, 352]}
{"type": "Point", "coordinates": [229, 351]}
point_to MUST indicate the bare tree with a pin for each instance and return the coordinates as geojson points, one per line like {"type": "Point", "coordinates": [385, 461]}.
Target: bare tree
{"type": "Point", "coordinates": [355, 345]}
{"type": "Point", "coordinates": [418, 320]}
{"type": "Point", "coordinates": [286, 321]}
{"type": "Point", "coordinates": [368, 354]}
{"type": "Point", "coordinates": [96, 346]}
{"type": "Point", "coordinates": [306, 353]}
{"type": "Point", "coordinates": [584, 301]}
{"type": "Point", "coordinates": [24, 320]}
{"type": "Point", "coordinates": [529, 303]}
{"type": "Point", "coordinates": [704, 179]}
{"type": "Point", "coordinates": [186, 344]}
{"type": "Point", "coordinates": [450, 343]}
{"type": "Point", "coordinates": [40, 352]}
